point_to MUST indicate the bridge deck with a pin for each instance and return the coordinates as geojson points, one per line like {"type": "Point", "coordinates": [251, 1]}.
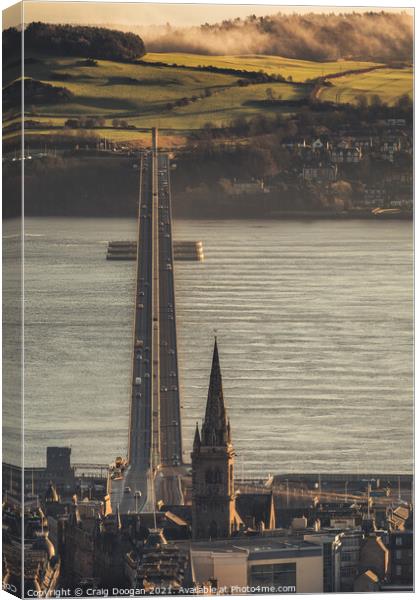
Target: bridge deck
{"type": "Point", "coordinates": [170, 416]}
{"type": "Point", "coordinates": [155, 438]}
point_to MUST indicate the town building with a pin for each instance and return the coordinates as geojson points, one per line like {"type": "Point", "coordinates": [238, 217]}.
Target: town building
{"type": "Point", "coordinates": [373, 196]}
{"type": "Point", "coordinates": [41, 562]}
{"type": "Point", "coordinates": [331, 557]}
{"type": "Point", "coordinates": [213, 493]}
{"type": "Point", "coordinates": [243, 188]}
{"type": "Point", "coordinates": [259, 563]}
{"type": "Point", "coordinates": [351, 542]}
{"type": "Point", "coordinates": [389, 148]}
{"type": "Point", "coordinates": [318, 173]}
{"type": "Point", "coordinates": [400, 544]}
{"type": "Point", "coordinates": [346, 155]}
{"type": "Point", "coordinates": [159, 566]}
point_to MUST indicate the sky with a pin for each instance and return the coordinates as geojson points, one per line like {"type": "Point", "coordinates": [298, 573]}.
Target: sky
{"type": "Point", "coordinates": [126, 13]}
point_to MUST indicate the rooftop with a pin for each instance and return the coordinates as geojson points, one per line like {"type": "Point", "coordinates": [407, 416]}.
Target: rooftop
{"type": "Point", "coordinates": [261, 547]}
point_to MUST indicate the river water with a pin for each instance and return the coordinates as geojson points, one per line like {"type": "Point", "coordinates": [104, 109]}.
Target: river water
{"type": "Point", "coordinates": [313, 319]}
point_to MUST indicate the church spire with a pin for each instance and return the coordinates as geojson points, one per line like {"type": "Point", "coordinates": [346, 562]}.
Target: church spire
{"type": "Point", "coordinates": [212, 462]}
{"type": "Point", "coordinates": [215, 428]}
{"type": "Point", "coordinates": [197, 441]}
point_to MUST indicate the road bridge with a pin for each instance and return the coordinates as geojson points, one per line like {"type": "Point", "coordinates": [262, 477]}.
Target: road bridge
{"type": "Point", "coordinates": [155, 437]}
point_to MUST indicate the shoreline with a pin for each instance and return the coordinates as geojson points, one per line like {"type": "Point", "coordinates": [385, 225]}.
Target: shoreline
{"type": "Point", "coordinates": [278, 216]}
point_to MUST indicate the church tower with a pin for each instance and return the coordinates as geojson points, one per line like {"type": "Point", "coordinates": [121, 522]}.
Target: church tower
{"type": "Point", "coordinates": [213, 501]}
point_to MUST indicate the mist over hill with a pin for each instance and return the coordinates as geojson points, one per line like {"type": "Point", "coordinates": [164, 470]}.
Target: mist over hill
{"type": "Point", "coordinates": [379, 36]}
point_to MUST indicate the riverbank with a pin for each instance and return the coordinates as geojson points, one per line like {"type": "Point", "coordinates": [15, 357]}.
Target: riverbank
{"type": "Point", "coordinates": [108, 187]}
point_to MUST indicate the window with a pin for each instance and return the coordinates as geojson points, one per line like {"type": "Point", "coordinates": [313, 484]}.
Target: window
{"type": "Point", "coordinates": [398, 554]}
{"type": "Point", "coordinates": [348, 572]}
{"type": "Point", "coordinates": [280, 574]}
{"type": "Point", "coordinates": [213, 530]}
{"type": "Point", "coordinates": [398, 541]}
{"type": "Point", "coordinates": [398, 570]}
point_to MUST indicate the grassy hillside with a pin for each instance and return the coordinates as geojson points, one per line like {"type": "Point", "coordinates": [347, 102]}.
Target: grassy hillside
{"type": "Point", "coordinates": [113, 88]}
{"type": "Point", "coordinates": [141, 93]}
{"type": "Point", "coordinates": [388, 84]}
{"type": "Point", "coordinates": [181, 99]}
{"type": "Point", "coordinates": [299, 70]}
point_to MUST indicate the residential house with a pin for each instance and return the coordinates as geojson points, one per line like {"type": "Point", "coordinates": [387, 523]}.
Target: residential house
{"type": "Point", "coordinates": [241, 188]}
{"type": "Point", "coordinates": [373, 196]}
{"type": "Point", "coordinates": [319, 173]}
{"type": "Point", "coordinates": [347, 155]}
{"type": "Point", "coordinates": [389, 148]}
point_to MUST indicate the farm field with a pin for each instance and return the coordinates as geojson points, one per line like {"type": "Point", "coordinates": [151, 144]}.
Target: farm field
{"type": "Point", "coordinates": [388, 84]}
{"type": "Point", "coordinates": [37, 138]}
{"type": "Point", "coordinates": [140, 94]}
{"type": "Point", "coordinates": [144, 95]}
{"type": "Point", "coordinates": [224, 106]}
{"type": "Point", "coordinates": [299, 70]}
{"type": "Point", "coordinates": [117, 89]}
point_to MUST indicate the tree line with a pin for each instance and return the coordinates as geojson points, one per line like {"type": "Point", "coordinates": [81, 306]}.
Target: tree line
{"type": "Point", "coordinates": [75, 40]}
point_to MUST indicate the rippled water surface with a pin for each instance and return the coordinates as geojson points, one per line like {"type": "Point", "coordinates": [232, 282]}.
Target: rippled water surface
{"type": "Point", "coordinates": [314, 322]}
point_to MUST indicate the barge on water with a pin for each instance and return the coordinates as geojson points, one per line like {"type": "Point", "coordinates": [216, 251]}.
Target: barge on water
{"type": "Point", "coordinates": [183, 250]}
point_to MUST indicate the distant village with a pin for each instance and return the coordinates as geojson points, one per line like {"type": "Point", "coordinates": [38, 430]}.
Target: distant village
{"type": "Point", "coordinates": [288, 168]}
{"type": "Point", "coordinates": [373, 165]}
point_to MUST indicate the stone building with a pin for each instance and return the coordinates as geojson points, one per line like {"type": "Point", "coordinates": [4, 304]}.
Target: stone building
{"type": "Point", "coordinates": [401, 557]}
{"type": "Point", "coordinates": [213, 500]}
{"type": "Point", "coordinates": [41, 564]}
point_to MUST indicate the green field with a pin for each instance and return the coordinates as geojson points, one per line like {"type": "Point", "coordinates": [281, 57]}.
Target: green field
{"type": "Point", "coordinates": [388, 84]}
{"type": "Point", "coordinates": [106, 89]}
{"type": "Point", "coordinates": [131, 138]}
{"type": "Point", "coordinates": [299, 70]}
{"type": "Point", "coordinates": [140, 93]}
